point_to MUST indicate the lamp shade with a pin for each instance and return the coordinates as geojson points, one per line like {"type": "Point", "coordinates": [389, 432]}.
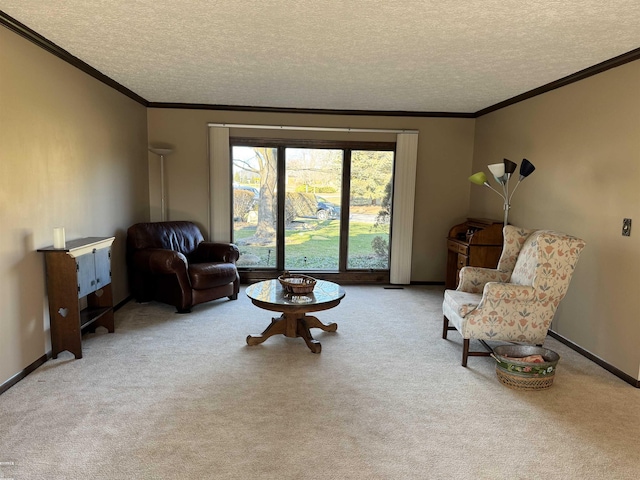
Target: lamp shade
{"type": "Point", "coordinates": [509, 166]}
{"type": "Point", "coordinates": [497, 169]}
{"type": "Point", "coordinates": [161, 151]}
{"type": "Point", "coordinates": [478, 178]}
{"type": "Point", "coordinates": [526, 168]}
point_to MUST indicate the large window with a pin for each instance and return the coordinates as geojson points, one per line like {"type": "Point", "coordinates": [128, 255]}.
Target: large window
{"type": "Point", "coordinates": [316, 206]}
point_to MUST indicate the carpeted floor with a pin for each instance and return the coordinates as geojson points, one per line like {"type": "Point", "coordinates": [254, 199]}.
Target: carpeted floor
{"type": "Point", "coordinates": [173, 396]}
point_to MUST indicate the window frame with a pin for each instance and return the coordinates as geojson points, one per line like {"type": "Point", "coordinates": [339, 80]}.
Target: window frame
{"type": "Point", "coordinates": [343, 275]}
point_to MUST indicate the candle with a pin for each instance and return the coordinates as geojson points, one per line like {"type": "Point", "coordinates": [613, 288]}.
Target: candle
{"type": "Point", "coordinates": [58, 237]}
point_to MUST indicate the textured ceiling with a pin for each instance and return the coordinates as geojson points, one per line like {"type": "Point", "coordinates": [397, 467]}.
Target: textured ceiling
{"type": "Point", "coordinates": [414, 55]}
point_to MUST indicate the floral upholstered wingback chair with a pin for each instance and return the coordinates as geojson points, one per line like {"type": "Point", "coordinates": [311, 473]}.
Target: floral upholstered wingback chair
{"type": "Point", "coordinates": [516, 301]}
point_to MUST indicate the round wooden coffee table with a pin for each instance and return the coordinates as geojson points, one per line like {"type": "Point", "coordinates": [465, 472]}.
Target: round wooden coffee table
{"type": "Point", "coordinates": [294, 321]}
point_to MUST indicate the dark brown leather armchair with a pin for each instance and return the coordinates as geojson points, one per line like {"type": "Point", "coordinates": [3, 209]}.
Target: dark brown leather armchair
{"type": "Point", "coordinates": [171, 263]}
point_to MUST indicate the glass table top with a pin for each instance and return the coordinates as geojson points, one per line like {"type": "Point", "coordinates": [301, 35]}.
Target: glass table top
{"type": "Point", "coordinates": [270, 291]}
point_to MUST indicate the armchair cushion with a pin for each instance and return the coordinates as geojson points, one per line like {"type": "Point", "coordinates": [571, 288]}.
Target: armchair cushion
{"type": "Point", "coordinates": [462, 303]}
{"type": "Point", "coordinates": [179, 236]}
{"type": "Point", "coordinates": [209, 275]}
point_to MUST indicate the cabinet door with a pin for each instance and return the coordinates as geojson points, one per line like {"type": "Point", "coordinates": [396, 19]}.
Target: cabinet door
{"type": "Point", "coordinates": [102, 259]}
{"type": "Point", "coordinates": [86, 274]}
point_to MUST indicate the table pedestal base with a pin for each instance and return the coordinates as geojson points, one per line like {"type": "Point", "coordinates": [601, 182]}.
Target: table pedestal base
{"type": "Point", "coordinates": [294, 325]}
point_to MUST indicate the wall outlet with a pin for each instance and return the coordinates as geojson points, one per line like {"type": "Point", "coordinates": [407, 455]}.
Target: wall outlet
{"type": "Point", "coordinates": [626, 227]}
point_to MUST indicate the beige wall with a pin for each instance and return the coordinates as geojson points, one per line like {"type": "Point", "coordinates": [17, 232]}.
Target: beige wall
{"type": "Point", "coordinates": [445, 148]}
{"type": "Point", "coordinates": [73, 153]}
{"type": "Point", "coordinates": [584, 140]}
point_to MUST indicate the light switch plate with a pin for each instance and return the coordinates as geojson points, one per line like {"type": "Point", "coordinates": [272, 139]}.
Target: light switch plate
{"type": "Point", "coordinates": [626, 227]}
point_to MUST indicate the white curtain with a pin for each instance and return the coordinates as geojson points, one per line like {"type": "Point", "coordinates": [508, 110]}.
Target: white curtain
{"type": "Point", "coordinates": [404, 192]}
{"type": "Point", "coordinates": [219, 185]}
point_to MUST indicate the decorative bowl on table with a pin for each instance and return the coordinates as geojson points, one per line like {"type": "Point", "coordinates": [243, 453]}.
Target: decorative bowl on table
{"type": "Point", "coordinates": [525, 367]}
{"type": "Point", "coordinates": [297, 283]}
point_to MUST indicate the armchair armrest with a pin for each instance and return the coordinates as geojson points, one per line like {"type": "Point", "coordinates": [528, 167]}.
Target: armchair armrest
{"type": "Point", "coordinates": [509, 292]}
{"type": "Point", "coordinates": [473, 279]}
{"type": "Point", "coordinates": [215, 252]}
{"type": "Point", "coordinates": [168, 261]}
{"type": "Point", "coordinates": [160, 261]}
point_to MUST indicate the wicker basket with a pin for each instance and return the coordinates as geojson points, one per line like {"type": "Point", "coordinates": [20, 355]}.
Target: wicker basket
{"type": "Point", "coordinates": [525, 375]}
{"type": "Point", "coordinates": [296, 283]}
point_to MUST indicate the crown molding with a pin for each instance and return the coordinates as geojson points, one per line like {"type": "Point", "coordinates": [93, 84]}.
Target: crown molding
{"type": "Point", "coordinates": [312, 111]}
{"type": "Point", "coordinates": [574, 77]}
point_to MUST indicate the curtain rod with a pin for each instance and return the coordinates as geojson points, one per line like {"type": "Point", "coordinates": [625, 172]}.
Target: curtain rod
{"type": "Point", "coordinates": [313, 129]}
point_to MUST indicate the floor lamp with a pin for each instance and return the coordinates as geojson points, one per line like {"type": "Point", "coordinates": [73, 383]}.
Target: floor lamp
{"type": "Point", "coordinates": [502, 173]}
{"type": "Point", "coordinates": [162, 152]}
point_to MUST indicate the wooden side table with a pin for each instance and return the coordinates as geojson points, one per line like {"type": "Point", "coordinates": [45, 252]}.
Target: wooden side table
{"type": "Point", "coordinates": [81, 269]}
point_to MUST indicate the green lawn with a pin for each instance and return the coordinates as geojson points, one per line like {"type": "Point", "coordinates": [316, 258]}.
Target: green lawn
{"type": "Point", "coordinates": [314, 245]}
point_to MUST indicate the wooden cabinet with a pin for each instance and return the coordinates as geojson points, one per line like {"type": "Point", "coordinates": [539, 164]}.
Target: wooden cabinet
{"type": "Point", "coordinates": [477, 243]}
{"type": "Point", "coordinates": [82, 269]}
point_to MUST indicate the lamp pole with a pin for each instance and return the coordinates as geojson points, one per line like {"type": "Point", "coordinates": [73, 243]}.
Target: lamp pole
{"type": "Point", "coordinates": [162, 152]}
{"type": "Point", "coordinates": [507, 206]}
{"type": "Point", "coordinates": [506, 198]}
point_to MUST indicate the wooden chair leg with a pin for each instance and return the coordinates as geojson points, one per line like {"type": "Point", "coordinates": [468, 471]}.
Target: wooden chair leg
{"type": "Point", "coordinates": [446, 327]}
{"type": "Point", "coordinates": [465, 351]}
